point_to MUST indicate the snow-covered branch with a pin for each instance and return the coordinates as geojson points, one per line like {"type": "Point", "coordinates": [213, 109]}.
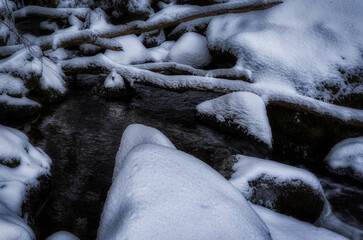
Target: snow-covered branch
{"type": "Point", "coordinates": [52, 13]}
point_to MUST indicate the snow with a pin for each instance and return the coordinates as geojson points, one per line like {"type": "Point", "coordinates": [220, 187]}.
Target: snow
{"type": "Point", "coordinates": [283, 227]}
{"type": "Point", "coordinates": [114, 80]}
{"type": "Point", "coordinates": [14, 101]}
{"type": "Point", "coordinates": [248, 169]}
{"type": "Point", "coordinates": [160, 53]}
{"type": "Point", "coordinates": [190, 26]}
{"type": "Point", "coordinates": [11, 85]}
{"type": "Point", "coordinates": [297, 44]}
{"type": "Point", "coordinates": [244, 109]}
{"type": "Point", "coordinates": [347, 155]}
{"type": "Point", "coordinates": [62, 235]}
{"type": "Point", "coordinates": [162, 193]}
{"type": "Point", "coordinates": [134, 51]}
{"type": "Point", "coordinates": [15, 181]}
{"type": "Point", "coordinates": [52, 76]}
{"type": "Point", "coordinates": [191, 49]}
{"type": "Point", "coordinates": [56, 55]}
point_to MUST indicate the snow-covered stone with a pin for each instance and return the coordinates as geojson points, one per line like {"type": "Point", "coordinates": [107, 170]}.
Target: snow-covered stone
{"type": "Point", "coordinates": [240, 112]}
{"type": "Point", "coordinates": [346, 158]}
{"type": "Point", "coordinates": [133, 51]}
{"type": "Point", "coordinates": [20, 166]}
{"type": "Point", "coordinates": [62, 235]}
{"type": "Point", "coordinates": [297, 44]}
{"type": "Point", "coordinates": [191, 49]}
{"type": "Point", "coordinates": [160, 53]}
{"type": "Point", "coordinates": [283, 227]}
{"type": "Point", "coordinates": [283, 188]}
{"type": "Point", "coordinates": [162, 193]}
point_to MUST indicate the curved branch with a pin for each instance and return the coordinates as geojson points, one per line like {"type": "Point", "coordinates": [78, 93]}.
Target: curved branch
{"type": "Point", "coordinates": [52, 13]}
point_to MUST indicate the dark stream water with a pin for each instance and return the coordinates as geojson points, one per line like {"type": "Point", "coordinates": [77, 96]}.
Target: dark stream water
{"type": "Point", "coordinates": [82, 136]}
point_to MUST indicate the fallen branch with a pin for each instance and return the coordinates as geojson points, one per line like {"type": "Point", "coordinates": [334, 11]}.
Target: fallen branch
{"type": "Point", "coordinates": [158, 21]}
{"type": "Point", "coordinates": [100, 63]}
{"type": "Point", "coordinates": [181, 69]}
{"type": "Point", "coordinates": [51, 13]}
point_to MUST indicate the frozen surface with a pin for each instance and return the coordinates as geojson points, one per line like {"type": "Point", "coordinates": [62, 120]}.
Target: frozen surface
{"type": "Point", "coordinates": [283, 227]}
{"type": "Point", "coordinates": [244, 109]}
{"type": "Point", "coordinates": [250, 168]}
{"type": "Point", "coordinates": [162, 193]}
{"type": "Point", "coordinates": [134, 51]}
{"type": "Point", "coordinates": [191, 49]}
{"type": "Point", "coordinates": [297, 44]}
{"type": "Point", "coordinates": [62, 235]}
{"type": "Point", "coordinates": [347, 156]}
{"type": "Point", "coordinates": [20, 166]}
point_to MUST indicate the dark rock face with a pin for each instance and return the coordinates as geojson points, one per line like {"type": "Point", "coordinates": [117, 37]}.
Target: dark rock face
{"type": "Point", "coordinates": [294, 198]}
{"type": "Point", "coordinates": [16, 111]}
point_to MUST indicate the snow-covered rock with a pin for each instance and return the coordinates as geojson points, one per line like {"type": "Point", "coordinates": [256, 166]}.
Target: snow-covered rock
{"type": "Point", "coordinates": [191, 49]}
{"type": "Point", "coordinates": [62, 235]}
{"type": "Point", "coordinates": [133, 51]}
{"type": "Point", "coordinates": [285, 189]}
{"type": "Point", "coordinates": [160, 53]}
{"type": "Point", "coordinates": [20, 166]}
{"type": "Point", "coordinates": [297, 44]}
{"type": "Point", "coordinates": [162, 193]}
{"type": "Point", "coordinates": [283, 227]}
{"type": "Point", "coordinates": [346, 158]}
{"type": "Point", "coordinates": [239, 112]}
{"type": "Point", "coordinates": [153, 38]}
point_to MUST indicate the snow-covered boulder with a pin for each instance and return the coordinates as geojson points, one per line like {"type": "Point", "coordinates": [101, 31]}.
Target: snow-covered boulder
{"type": "Point", "coordinates": [346, 158]}
{"type": "Point", "coordinates": [20, 166]}
{"type": "Point", "coordinates": [297, 44]}
{"type": "Point", "coordinates": [133, 51]}
{"type": "Point", "coordinates": [113, 86]}
{"type": "Point", "coordinates": [283, 227]}
{"type": "Point", "coordinates": [191, 49]}
{"type": "Point", "coordinates": [243, 113]}
{"type": "Point", "coordinates": [162, 193]}
{"type": "Point", "coordinates": [285, 189]}
{"type": "Point", "coordinates": [62, 235]}
{"type": "Point", "coordinates": [160, 53]}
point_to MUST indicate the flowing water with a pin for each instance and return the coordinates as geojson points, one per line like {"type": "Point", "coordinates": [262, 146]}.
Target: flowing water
{"type": "Point", "coordinates": [82, 136]}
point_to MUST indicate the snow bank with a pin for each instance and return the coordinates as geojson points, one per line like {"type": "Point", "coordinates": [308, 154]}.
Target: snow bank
{"type": "Point", "coordinates": [62, 235]}
{"type": "Point", "coordinates": [134, 51]}
{"type": "Point", "coordinates": [191, 49]}
{"type": "Point", "coordinates": [20, 166]}
{"type": "Point", "coordinates": [296, 43]}
{"type": "Point", "coordinates": [283, 227]}
{"type": "Point", "coordinates": [346, 157]}
{"type": "Point", "coordinates": [242, 110]}
{"type": "Point", "coordinates": [160, 53]}
{"type": "Point", "coordinates": [162, 193]}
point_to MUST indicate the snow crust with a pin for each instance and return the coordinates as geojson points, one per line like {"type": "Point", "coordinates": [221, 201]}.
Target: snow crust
{"type": "Point", "coordinates": [162, 193]}
{"type": "Point", "coordinates": [134, 51]}
{"type": "Point", "coordinates": [246, 110]}
{"type": "Point", "coordinates": [296, 43]}
{"type": "Point", "coordinates": [62, 235]}
{"type": "Point", "coordinates": [191, 49]}
{"type": "Point", "coordinates": [283, 227]}
{"type": "Point", "coordinates": [249, 168]}
{"type": "Point", "coordinates": [17, 180]}
{"type": "Point", "coordinates": [345, 155]}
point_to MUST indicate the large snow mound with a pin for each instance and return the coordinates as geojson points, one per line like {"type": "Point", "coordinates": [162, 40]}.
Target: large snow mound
{"type": "Point", "coordinates": [62, 235]}
{"type": "Point", "coordinates": [347, 157]}
{"type": "Point", "coordinates": [163, 193]}
{"type": "Point", "coordinates": [133, 51]}
{"type": "Point", "coordinates": [283, 227]}
{"type": "Point", "coordinates": [245, 110]}
{"type": "Point", "coordinates": [296, 42]}
{"type": "Point", "coordinates": [191, 49]}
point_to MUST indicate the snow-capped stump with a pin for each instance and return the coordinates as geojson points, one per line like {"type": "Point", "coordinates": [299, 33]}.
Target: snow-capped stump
{"type": "Point", "coordinates": [191, 49]}
{"type": "Point", "coordinates": [283, 227]}
{"type": "Point", "coordinates": [163, 193]}
{"type": "Point", "coordinates": [283, 188]}
{"type": "Point", "coordinates": [21, 165]}
{"type": "Point", "coordinates": [243, 113]}
{"type": "Point", "coordinates": [346, 158]}
{"type": "Point", "coordinates": [114, 86]}
{"type": "Point", "coordinates": [133, 51]}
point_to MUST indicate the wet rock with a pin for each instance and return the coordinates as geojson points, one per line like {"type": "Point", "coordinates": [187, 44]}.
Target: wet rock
{"type": "Point", "coordinates": [11, 107]}
{"type": "Point", "coordinates": [279, 187]}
